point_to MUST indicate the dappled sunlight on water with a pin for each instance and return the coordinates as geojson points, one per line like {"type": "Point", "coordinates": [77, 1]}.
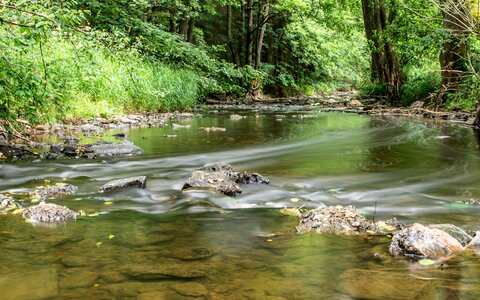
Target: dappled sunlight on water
{"type": "Point", "coordinates": [162, 243]}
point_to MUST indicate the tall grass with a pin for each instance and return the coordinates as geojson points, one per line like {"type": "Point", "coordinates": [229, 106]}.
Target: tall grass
{"type": "Point", "coordinates": [79, 78]}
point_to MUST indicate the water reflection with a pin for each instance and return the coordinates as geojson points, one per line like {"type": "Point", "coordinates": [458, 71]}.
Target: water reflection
{"type": "Point", "coordinates": [163, 243]}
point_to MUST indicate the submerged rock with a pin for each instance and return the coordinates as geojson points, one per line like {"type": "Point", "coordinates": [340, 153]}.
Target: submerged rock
{"type": "Point", "coordinates": [220, 181]}
{"type": "Point", "coordinates": [149, 272]}
{"type": "Point", "coordinates": [192, 254]}
{"type": "Point", "coordinates": [47, 212]}
{"type": "Point", "coordinates": [420, 241]}
{"type": "Point", "coordinates": [39, 281]}
{"type": "Point", "coordinates": [106, 149]}
{"type": "Point", "coordinates": [176, 126]}
{"type": "Point", "coordinates": [457, 233]}
{"type": "Point", "coordinates": [374, 284]}
{"type": "Point", "coordinates": [190, 289]}
{"type": "Point", "coordinates": [235, 117]}
{"type": "Point", "coordinates": [212, 129]}
{"type": "Point", "coordinates": [333, 219]}
{"type": "Point", "coordinates": [46, 192]}
{"type": "Point", "coordinates": [126, 183]}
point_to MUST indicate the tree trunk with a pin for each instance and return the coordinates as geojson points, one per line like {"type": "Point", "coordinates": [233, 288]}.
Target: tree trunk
{"type": "Point", "coordinates": [183, 30]}
{"type": "Point", "coordinates": [261, 34]}
{"type": "Point", "coordinates": [249, 41]}
{"type": "Point", "coordinates": [230, 43]}
{"type": "Point", "coordinates": [453, 56]}
{"type": "Point", "coordinates": [385, 68]}
{"type": "Point", "coordinates": [171, 21]}
{"type": "Point", "coordinates": [191, 27]}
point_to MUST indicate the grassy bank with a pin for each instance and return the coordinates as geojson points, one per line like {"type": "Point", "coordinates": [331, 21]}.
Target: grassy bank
{"type": "Point", "coordinates": [80, 78]}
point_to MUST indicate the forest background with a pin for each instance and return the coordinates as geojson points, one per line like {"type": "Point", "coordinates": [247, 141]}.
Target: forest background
{"type": "Point", "coordinates": [64, 59]}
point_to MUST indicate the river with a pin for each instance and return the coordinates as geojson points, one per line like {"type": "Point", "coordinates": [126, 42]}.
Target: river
{"type": "Point", "coordinates": [162, 243]}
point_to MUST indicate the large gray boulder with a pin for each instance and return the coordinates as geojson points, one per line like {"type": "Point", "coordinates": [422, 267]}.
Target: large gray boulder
{"type": "Point", "coordinates": [126, 183]}
{"type": "Point", "coordinates": [420, 242]}
{"type": "Point", "coordinates": [47, 212]}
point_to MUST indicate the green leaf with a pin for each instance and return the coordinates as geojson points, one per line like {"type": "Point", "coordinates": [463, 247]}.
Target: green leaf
{"type": "Point", "coordinates": [426, 262]}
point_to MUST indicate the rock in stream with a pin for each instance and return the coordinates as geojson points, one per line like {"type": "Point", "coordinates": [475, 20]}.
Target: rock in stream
{"type": "Point", "coordinates": [47, 212]}
{"type": "Point", "coordinates": [126, 183]}
{"type": "Point", "coordinates": [419, 241]}
{"type": "Point", "coordinates": [334, 219]}
{"type": "Point", "coordinates": [52, 191]}
{"type": "Point", "coordinates": [100, 149]}
{"type": "Point", "coordinates": [221, 177]}
{"type": "Point", "coordinates": [220, 181]}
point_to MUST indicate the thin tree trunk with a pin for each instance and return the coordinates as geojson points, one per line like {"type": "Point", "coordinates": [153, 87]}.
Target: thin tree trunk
{"type": "Point", "coordinates": [385, 68]}
{"type": "Point", "coordinates": [191, 27]}
{"type": "Point", "coordinates": [249, 40]}
{"type": "Point", "coordinates": [230, 43]}
{"type": "Point", "coordinates": [183, 29]}
{"type": "Point", "coordinates": [242, 24]}
{"type": "Point", "coordinates": [261, 34]}
{"type": "Point", "coordinates": [171, 21]}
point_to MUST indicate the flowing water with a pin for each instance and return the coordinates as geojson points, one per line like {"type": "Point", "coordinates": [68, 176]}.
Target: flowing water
{"type": "Point", "coordinates": [161, 243]}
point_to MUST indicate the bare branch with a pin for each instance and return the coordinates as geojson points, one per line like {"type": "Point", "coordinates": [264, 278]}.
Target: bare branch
{"type": "Point", "coordinates": [13, 23]}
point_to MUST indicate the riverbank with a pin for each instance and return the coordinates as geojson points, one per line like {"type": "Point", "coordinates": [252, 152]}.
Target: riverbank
{"type": "Point", "coordinates": [27, 139]}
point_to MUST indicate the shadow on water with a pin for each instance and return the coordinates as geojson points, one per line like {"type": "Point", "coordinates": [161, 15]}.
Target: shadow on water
{"type": "Point", "coordinates": [161, 243]}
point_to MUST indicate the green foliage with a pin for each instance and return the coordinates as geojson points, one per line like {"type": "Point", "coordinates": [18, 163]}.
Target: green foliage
{"type": "Point", "coordinates": [326, 46]}
{"type": "Point", "coordinates": [78, 58]}
{"type": "Point", "coordinates": [421, 83]}
{"type": "Point", "coordinates": [467, 95]}
{"type": "Point", "coordinates": [48, 73]}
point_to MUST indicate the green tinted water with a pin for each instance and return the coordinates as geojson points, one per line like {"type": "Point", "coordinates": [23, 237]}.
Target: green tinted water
{"type": "Point", "coordinates": [160, 243]}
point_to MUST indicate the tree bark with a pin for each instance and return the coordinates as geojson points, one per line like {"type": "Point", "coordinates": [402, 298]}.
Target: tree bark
{"type": "Point", "coordinates": [261, 34]}
{"type": "Point", "coordinates": [249, 40]}
{"type": "Point", "coordinates": [385, 68]}
{"type": "Point", "coordinates": [183, 29]}
{"type": "Point", "coordinates": [191, 28]}
{"type": "Point", "coordinates": [171, 21]}
{"type": "Point", "coordinates": [230, 42]}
